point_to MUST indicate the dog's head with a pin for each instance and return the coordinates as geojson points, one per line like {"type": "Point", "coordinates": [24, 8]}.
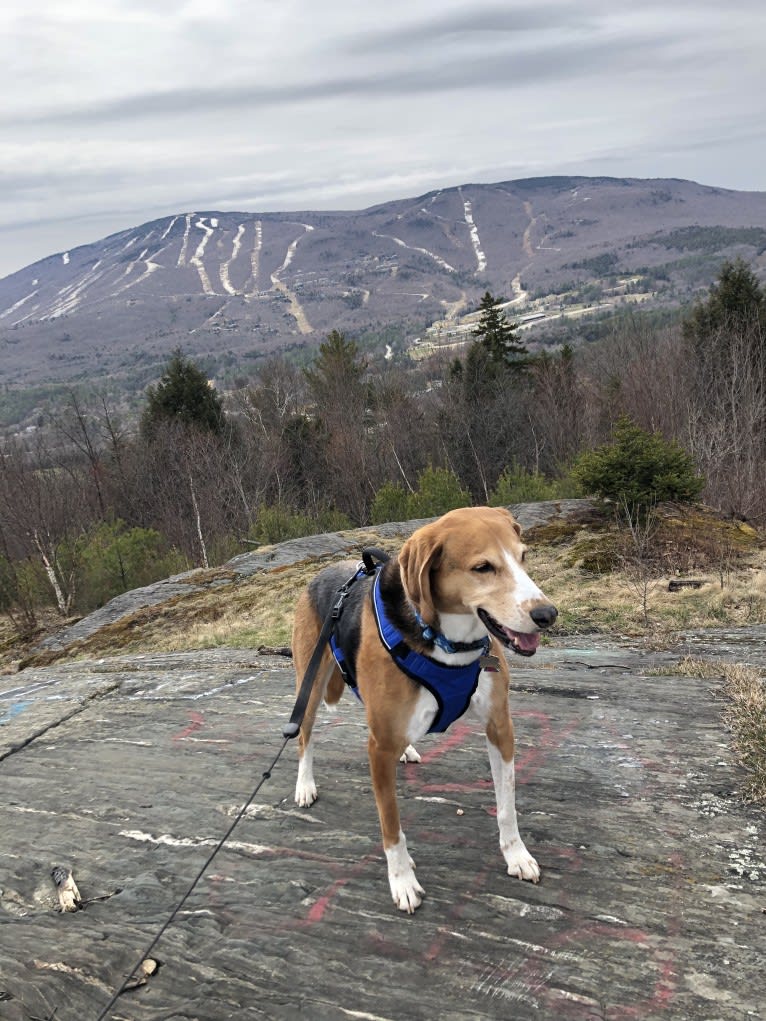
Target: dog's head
{"type": "Point", "coordinates": [469, 563]}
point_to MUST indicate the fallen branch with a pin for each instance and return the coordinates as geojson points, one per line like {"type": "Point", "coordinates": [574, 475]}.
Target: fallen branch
{"type": "Point", "coordinates": [275, 650]}
{"type": "Point", "coordinates": [676, 584]}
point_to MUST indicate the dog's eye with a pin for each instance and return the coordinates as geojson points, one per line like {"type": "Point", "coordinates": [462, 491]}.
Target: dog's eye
{"type": "Point", "coordinates": [484, 568]}
{"type": "Point", "coordinates": [523, 556]}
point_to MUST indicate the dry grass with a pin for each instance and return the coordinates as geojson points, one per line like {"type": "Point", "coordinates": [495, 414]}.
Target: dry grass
{"type": "Point", "coordinates": [246, 615]}
{"type": "Point", "coordinates": [255, 612]}
{"type": "Point", "coordinates": [592, 577]}
{"type": "Point", "coordinates": [745, 714]}
{"type": "Point", "coordinates": [581, 568]}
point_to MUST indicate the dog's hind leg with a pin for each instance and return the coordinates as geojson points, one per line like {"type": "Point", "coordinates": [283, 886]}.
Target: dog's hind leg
{"type": "Point", "coordinates": [305, 635]}
{"type": "Point", "coordinates": [305, 786]}
{"type": "Point", "coordinates": [410, 754]}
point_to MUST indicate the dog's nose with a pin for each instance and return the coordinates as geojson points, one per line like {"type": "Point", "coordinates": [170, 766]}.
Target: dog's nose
{"type": "Point", "coordinates": [544, 615]}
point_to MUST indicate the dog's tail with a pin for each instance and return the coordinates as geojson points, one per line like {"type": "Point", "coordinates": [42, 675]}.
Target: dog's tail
{"type": "Point", "coordinates": [335, 688]}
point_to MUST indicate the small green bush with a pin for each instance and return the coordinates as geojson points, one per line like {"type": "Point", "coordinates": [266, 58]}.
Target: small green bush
{"type": "Point", "coordinates": [390, 504]}
{"type": "Point", "coordinates": [638, 469]}
{"type": "Point", "coordinates": [8, 585]}
{"type": "Point", "coordinates": [112, 558]}
{"type": "Point", "coordinates": [278, 523]}
{"type": "Point", "coordinates": [517, 485]}
{"type": "Point", "coordinates": [438, 491]}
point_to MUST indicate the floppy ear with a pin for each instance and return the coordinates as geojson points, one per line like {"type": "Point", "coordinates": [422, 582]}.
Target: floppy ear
{"type": "Point", "coordinates": [514, 523]}
{"type": "Point", "coordinates": [417, 559]}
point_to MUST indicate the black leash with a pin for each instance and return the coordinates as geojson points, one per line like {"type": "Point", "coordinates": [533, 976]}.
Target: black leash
{"type": "Point", "coordinates": [264, 776]}
{"type": "Point", "coordinates": [371, 559]}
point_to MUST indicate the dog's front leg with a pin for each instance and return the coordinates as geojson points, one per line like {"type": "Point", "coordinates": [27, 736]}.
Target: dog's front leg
{"type": "Point", "coordinates": [305, 787]}
{"type": "Point", "coordinates": [501, 760]}
{"type": "Point", "coordinates": [405, 889]}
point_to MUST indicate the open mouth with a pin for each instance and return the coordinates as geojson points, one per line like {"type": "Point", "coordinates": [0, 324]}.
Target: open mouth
{"type": "Point", "coordinates": [521, 643]}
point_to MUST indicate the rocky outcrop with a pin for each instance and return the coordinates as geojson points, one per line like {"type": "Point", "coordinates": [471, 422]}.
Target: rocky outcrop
{"type": "Point", "coordinates": [284, 554]}
{"type": "Point", "coordinates": [128, 771]}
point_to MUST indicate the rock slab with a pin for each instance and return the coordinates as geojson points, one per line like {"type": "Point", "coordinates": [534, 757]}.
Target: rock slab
{"type": "Point", "coordinates": [129, 770]}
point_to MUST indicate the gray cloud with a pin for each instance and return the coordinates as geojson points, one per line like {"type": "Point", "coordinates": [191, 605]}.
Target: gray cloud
{"type": "Point", "coordinates": [129, 110]}
{"type": "Point", "coordinates": [552, 62]}
{"type": "Point", "coordinates": [474, 21]}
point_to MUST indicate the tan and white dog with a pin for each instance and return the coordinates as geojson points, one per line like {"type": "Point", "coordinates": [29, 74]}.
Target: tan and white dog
{"type": "Point", "coordinates": [457, 592]}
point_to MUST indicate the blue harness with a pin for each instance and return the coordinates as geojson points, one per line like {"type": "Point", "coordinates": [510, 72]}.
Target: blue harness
{"type": "Point", "coordinates": [451, 686]}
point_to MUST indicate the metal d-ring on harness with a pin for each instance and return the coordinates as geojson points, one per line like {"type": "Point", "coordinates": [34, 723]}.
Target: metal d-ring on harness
{"type": "Point", "coordinates": [372, 560]}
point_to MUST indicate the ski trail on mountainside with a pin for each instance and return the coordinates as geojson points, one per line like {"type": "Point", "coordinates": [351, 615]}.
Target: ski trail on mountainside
{"type": "Point", "coordinates": [413, 248]}
{"type": "Point", "coordinates": [224, 270]}
{"type": "Point", "coordinates": [196, 259]}
{"type": "Point", "coordinates": [185, 241]}
{"type": "Point", "coordinates": [481, 259]}
{"type": "Point", "coordinates": [255, 258]}
{"type": "Point", "coordinates": [296, 311]}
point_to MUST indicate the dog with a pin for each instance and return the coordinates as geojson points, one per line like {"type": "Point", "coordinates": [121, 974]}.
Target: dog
{"type": "Point", "coordinates": [420, 643]}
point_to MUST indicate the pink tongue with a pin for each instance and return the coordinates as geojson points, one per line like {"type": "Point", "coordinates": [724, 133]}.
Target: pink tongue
{"type": "Point", "coordinates": [526, 642]}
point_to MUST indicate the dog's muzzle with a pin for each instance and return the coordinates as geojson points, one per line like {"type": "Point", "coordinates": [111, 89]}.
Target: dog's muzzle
{"type": "Point", "coordinates": [521, 642]}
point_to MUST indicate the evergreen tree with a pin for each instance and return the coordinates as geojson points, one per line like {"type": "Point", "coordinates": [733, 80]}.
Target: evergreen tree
{"type": "Point", "coordinates": [725, 335]}
{"type": "Point", "coordinates": [497, 336]}
{"type": "Point", "coordinates": [183, 395]}
{"type": "Point", "coordinates": [337, 371]}
{"type": "Point", "coordinates": [339, 390]}
{"type": "Point", "coordinates": [638, 469]}
{"type": "Point", "coordinates": [736, 300]}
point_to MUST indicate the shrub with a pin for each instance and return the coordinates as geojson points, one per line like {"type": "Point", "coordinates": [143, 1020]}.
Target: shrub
{"type": "Point", "coordinates": [638, 469]}
{"type": "Point", "coordinates": [8, 585]}
{"type": "Point", "coordinates": [278, 523]}
{"type": "Point", "coordinates": [517, 485]}
{"type": "Point", "coordinates": [113, 558]}
{"type": "Point", "coordinates": [17, 597]}
{"type": "Point", "coordinates": [438, 491]}
{"type": "Point", "coordinates": [390, 504]}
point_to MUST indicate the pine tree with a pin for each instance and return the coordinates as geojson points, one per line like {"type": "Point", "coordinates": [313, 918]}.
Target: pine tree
{"type": "Point", "coordinates": [497, 336]}
{"type": "Point", "coordinates": [183, 395]}
{"type": "Point", "coordinates": [736, 300]}
{"type": "Point", "coordinates": [638, 469]}
{"type": "Point", "coordinates": [726, 334]}
{"type": "Point", "coordinates": [337, 372]}
{"type": "Point", "coordinates": [340, 393]}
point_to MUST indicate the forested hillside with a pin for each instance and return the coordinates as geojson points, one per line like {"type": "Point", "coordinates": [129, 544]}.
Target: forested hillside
{"type": "Point", "coordinates": [91, 505]}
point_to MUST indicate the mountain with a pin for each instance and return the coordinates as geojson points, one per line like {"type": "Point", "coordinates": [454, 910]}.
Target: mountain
{"type": "Point", "coordinates": [231, 286]}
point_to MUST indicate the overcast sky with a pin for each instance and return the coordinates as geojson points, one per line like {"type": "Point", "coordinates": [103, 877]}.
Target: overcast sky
{"type": "Point", "coordinates": [115, 112]}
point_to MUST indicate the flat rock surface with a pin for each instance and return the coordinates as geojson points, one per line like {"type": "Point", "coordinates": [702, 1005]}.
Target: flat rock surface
{"type": "Point", "coordinates": [129, 770]}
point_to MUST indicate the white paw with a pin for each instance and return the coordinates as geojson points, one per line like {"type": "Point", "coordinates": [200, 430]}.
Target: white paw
{"type": "Point", "coordinates": [305, 793]}
{"type": "Point", "coordinates": [406, 890]}
{"type": "Point", "coordinates": [410, 754]}
{"type": "Point", "coordinates": [520, 862]}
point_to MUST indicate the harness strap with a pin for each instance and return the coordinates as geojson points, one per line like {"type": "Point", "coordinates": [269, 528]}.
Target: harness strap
{"type": "Point", "coordinates": [366, 567]}
{"type": "Point", "coordinates": [452, 686]}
